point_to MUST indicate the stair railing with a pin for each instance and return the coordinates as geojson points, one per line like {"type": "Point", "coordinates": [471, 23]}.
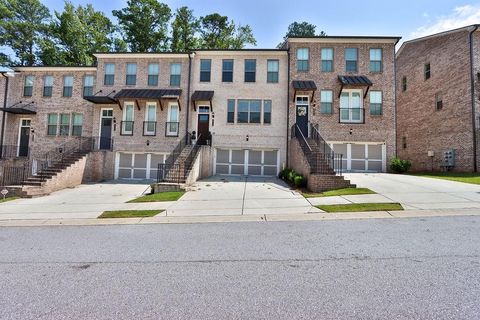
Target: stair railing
{"type": "Point", "coordinates": [334, 160]}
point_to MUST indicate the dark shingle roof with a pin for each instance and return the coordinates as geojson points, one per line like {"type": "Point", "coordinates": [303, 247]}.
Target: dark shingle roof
{"type": "Point", "coordinates": [304, 85]}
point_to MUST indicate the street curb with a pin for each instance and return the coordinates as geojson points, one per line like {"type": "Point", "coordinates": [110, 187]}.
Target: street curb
{"type": "Point", "coordinates": [244, 218]}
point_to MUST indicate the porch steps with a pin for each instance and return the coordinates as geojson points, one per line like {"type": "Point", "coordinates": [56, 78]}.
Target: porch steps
{"type": "Point", "coordinates": [181, 168]}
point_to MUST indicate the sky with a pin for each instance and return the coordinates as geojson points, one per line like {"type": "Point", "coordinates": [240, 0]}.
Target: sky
{"type": "Point", "coordinates": [269, 19]}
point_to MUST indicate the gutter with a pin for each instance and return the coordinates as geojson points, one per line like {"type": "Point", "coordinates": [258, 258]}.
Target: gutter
{"type": "Point", "coordinates": [2, 134]}
{"type": "Point", "coordinates": [288, 105]}
{"type": "Point", "coordinates": [472, 92]}
{"type": "Point", "coordinates": [188, 89]}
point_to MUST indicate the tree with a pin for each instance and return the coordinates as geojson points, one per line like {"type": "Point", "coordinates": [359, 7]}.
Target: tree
{"type": "Point", "coordinates": [217, 32]}
{"type": "Point", "coordinates": [184, 31]}
{"type": "Point", "coordinates": [22, 24]}
{"type": "Point", "coordinates": [144, 24]}
{"type": "Point", "coordinates": [301, 29]}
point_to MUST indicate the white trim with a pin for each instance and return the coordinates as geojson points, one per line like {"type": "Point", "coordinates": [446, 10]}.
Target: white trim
{"type": "Point", "coordinates": [242, 53]}
{"type": "Point", "coordinates": [53, 69]}
{"type": "Point", "coordinates": [124, 116]}
{"type": "Point", "coordinates": [147, 105]}
{"type": "Point", "coordinates": [350, 108]}
{"type": "Point", "coordinates": [307, 105]}
{"type": "Point", "coordinates": [20, 131]}
{"type": "Point", "coordinates": [169, 119]}
{"type": "Point", "coordinates": [200, 113]}
{"type": "Point", "coordinates": [343, 40]}
{"type": "Point", "coordinates": [140, 55]}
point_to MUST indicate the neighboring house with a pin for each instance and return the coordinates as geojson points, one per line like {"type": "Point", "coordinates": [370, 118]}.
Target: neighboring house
{"type": "Point", "coordinates": [438, 100]}
{"type": "Point", "coordinates": [239, 97]}
{"type": "Point", "coordinates": [342, 92]}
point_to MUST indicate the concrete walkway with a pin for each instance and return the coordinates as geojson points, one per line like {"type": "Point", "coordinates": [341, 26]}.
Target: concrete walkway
{"type": "Point", "coordinates": [240, 196]}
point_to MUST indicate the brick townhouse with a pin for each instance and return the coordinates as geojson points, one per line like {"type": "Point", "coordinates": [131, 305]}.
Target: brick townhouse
{"type": "Point", "coordinates": [183, 116]}
{"type": "Point", "coordinates": [438, 99]}
{"type": "Point", "coordinates": [342, 98]}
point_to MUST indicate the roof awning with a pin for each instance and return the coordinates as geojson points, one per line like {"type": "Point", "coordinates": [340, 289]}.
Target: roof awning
{"type": "Point", "coordinates": [305, 85]}
{"type": "Point", "coordinates": [202, 96]}
{"type": "Point", "coordinates": [20, 108]}
{"type": "Point", "coordinates": [100, 99]}
{"type": "Point", "coordinates": [149, 94]}
{"type": "Point", "coordinates": [355, 81]}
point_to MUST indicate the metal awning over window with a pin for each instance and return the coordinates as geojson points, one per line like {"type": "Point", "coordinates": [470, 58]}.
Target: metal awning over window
{"type": "Point", "coordinates": [202, 96]}
{"type": "Point", "coordinates": [20, 108]}
{"type": "Point", "coordinates": [354, 81]}
{"type": "Point", "coordinates": [149, 94]}
{"type": "Point", "coordinates": [96, 99]}
{"type": "Point", "coordinates": [305, 85]}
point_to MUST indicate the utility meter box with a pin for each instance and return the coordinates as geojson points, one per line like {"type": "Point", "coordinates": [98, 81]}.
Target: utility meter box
{"type": "Point", "coordinates": [431, 153]}
{"type": "Point", "coordinates": [449, 158]}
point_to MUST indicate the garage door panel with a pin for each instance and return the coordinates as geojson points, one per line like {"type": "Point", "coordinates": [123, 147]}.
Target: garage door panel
{"type": "Point", "coordinates": [234, 162]}
{"type": "Point", "coordinates": [238, 156]}
{"type": "Point", "coordinates": [375, 152]}
{"type": "Point", "coordinates": [140, 161]}
{"type": "Point", "coordinates": [255, 170]}
{"type": "Point", "coordinates": [358, 165]}
{"type": "Point", "coordinates": [341, 149]}
{"type": "Point", "coordinates": [223, 156]}
{"type": "Point", "coordinates": [125, 160]}
{"type": "Point", "coordinates": [125, 173]}
{"type": "Point", "coordinates": [270, 171]}
{"type": "Point", "coordinates": [375, 166]}
{"type": "Point", "coordinates": [237, 169]}
{"type": "Point", "coordinates": [358, 151]}
{"type": "Point", "coordinates": [222, 169]}
{"type": "Point", "coordinates": [139, 173]}
{"type": "Point", "coordinates": [255, 157]}
{"type": "Point", "coordinates": [270, 158]}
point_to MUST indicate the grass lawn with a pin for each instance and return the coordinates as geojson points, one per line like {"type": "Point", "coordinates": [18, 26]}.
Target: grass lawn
{"type": "Point", "coordinates": [358, 207]}
{"type": "Point", "coordinates": [129, 214]}
{"type": "Point", "coordinates": [473, 178]}
{"type": "Point", "coordinates": [162, 196]}
{"type": "Point", "coordinates": [340, 192]}
{"type": "Point", "coordinates": [7, 199]}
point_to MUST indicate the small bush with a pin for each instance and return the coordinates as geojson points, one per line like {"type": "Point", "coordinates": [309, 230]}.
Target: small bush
{"type": "Point", "coordinates": [398, 165]}
{"type": "Point", "coordinates": [300, 181]}
{"type": "Point", "coordinates": [284, 174]}
{"type": "Point", "coordinates": [291, 176]}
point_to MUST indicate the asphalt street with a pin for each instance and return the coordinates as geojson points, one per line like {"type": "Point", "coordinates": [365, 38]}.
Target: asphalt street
{"type": "Point", "coordinates": [419, 268]}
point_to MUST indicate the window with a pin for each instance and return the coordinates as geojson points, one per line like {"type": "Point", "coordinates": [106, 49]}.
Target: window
{"type": "Point", "coordinates": [249, 111]}
{"type": "Point", "coordinates": [172, 124]}
{"type": "Point", "coordinates": [326, 101]}
{"type": "Point", "coordinates": [205, 70]}
{"type": "Point", "coordinates": [52, 124]}
{"type": "Point", "coordinates": [28, 86]}
{"type": "Point", "coordinates": [227, 70]}
{"type": "Point", "coordinates": [376, 103]}
{"type": "Point", "coordinates": [127, 123]}
{"type": "Point", "coordinates": [351, 110]}
{"type": "Point", "coordinates": [250, 70]}
{"type": "Point", "coordinates": [231, 111]}
{"type": "Point", "coordinates": [77, 124]}
{"type": "Point", "coordinates": [150, 124]}
{"type": "Point", "coordinates": [88, 86]}
{"type": "Point", "coordinates": [376, 60]}
{"type": "Point", "coordinates": [404, 84]}
{"type": "Point", "coordinates": [267, 111]}
{"type": "Point", "coordinates": [109, 77]}
{"type": "Point", "coordinates": [427, 71]}
{"type": "Point", "coordinates": [351, 57]}
{"type": "Point", "coordinates": [404, 142]}
{"type": "Point", "coordinates": [67, 86]}
{"type": "Point", "coordinates": [175, 72]}
{"type": "Point", "coordinates": [47, 86]}
{"type": "Point", "coordinates": [302, 59]}
{"type": "Point", "coordinates": [131, 79]}
{"type": "Point", "coordinates": [64, 124]}
{"type": "Point", "coordinates": [153, 71]}
{"type": "Point", "coordinates": [327, 59]}
{"type": "Point", "coordinates": [272, 71]}
{"type": "Point", "coordinates": [438, 101]}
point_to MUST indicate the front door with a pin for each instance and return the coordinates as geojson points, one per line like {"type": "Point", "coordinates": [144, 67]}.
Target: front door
{"type": "Point", "coordinates": [106, 129]}
{"type": "Point", "coordinates": [203, 128]}
{"type": "Point", "coordinates": [302, 115]}
{"type": "Point", "coordinates": [24, 138]}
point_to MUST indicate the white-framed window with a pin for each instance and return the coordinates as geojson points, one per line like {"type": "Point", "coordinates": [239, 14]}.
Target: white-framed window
{"type": "Point", "coordinates": [175, 74]}
{"type": "Point", "coordinates": [47, 86]}
{"type": "Point", "coordinates": [249, 111]}
{"type": "Point", "coordinates": [376, 60]}
{"type": "Point", "coordinates": [272, 71]}
{"type": "Point", "coordinates": [351, 109]}
{"type": "Point", "coordinates": [64, 124]}
{"type": "Point", "coordinates": [88, 81]}
{"type": "Point", "coordinates": [150, 124]}
{"type": "Point", "coordinates": [326, 101]}
{"type": "Point", "coordinates": [127, 123]}
{"type": "Point", "coordinates": [28, 86]}
{"type": "Point", "coordinates": [172, 129]}
{"type": "Point", "coordinates": [109, 77]}
{"type": "Point", "coordinates": [131, 78]}
{"type": "Point", "coordinates": [153, 71]}
{"type": "Point", "coordinates": [77, 124]}
{"type": "Point", "coordinates": [327, 59]}
{"type": "Point", "coordinates": [376, 103]}
{"type": "Point", "coordinates": [67, 86]}
{"type": "Point", "coordinates": [351, 60]}
{"type": "Point", "coordinates": [267, 111]}
{"type": "Point", "coordinates": [52, 124]}
{"type": "Point", "coordinates": [303, 56]}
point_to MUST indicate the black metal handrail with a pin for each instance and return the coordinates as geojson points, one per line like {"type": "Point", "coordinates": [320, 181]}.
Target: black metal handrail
{"type": "Point", "coordinates": [126, 128]}
{"type": "Point", "coordinates": [14, 151]}
{"type": "Point", "coordinates": [178, 149]}
{"type": "Point", "coordinates": [149, 128]}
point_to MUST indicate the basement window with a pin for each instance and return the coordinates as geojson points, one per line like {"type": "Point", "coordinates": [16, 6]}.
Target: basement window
{"type": "Point", "coordinates": [427, 71]}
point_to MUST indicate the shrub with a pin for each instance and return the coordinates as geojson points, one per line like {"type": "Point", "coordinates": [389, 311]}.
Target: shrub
{"type": "Point", "coordinates": [300, 181]}
{"type": "Point", "coordinates": [291, 176]}
{"type": "Point", "coordinates": [398, 165]}
{"type": "Point", "coordinates": [284, 173]}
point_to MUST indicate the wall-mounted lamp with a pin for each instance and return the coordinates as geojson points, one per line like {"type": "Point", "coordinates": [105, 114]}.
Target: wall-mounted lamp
{"type": "Point", "coordinates": [148, 142]}
{"type": "Point", "coordinates": [247, 138]}
{"type": "Point", "coordinates": [351, 130]}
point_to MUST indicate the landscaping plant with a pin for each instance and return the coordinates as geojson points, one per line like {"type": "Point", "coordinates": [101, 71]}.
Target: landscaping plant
{"type": "Point", "coordinates": [398, 165]}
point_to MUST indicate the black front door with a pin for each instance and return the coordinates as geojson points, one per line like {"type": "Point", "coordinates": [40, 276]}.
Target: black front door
{"type": "Point", "coordinates": [203, 129]}
{"type": "Point", "coordinates": [302, 119]}
{"type": "Point", "coordinates": [24, 140]}
{"type": "Point", "coordinates": [106, 134]}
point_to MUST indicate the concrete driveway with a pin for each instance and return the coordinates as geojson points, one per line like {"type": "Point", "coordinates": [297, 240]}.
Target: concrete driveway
{"type": "Point", "coordinates": [420, 193]}
{"type": "Point", "coordinates": [84, 201]}
{"type": "Point", "coordinates": [240, 196]}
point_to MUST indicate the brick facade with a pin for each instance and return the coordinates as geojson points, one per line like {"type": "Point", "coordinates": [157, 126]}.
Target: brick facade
{"type": "Point", "coordinates": [421, 127]}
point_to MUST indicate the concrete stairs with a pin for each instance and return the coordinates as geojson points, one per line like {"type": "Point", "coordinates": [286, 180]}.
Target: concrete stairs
{"type": "Point", "coordinates": [178, 172]}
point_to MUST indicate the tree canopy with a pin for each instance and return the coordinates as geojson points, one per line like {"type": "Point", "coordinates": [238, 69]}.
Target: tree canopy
{"type": "Point", "coordinates": [301, 29]}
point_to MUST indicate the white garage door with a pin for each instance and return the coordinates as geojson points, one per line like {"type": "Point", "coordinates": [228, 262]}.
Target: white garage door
{"type": "Point", "coordinates": [246, 162]}
{"type": "Point", "coordinates": [361, 157]}
{"type": "Point", "coordinates": [139, 166]}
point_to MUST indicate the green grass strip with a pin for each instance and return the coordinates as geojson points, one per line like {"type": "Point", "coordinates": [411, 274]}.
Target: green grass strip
{"type": "Point", "coordinates": [359, 207]}
{"type": "Point", "coordinates": [340, 192]}
{"type": "Point", "coordinates": [129, 214]}
{"type": "Point", "coordinates": [158, 197]}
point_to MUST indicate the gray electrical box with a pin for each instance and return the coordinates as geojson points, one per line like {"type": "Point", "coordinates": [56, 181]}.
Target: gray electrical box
{"type": "Point", "coordinates": [449, 158]}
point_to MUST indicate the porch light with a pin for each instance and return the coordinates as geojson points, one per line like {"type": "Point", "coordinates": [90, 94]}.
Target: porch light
{"type": "Point", "coordinates": [247, 138]}
{"type": "Point", "coordinates": [148, 143]}
{"type": "Point", "coordinates": [351, 130]}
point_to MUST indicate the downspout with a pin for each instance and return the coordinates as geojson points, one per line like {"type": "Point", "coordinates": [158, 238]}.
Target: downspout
{"type": "Point", "coordinates": [4, 113]}
{"type": "Point", "coordinates": [288, 103]}
{"type": "Point", "coordinates": [472, 92]}
{"type": "Point", "coordinates": [188, 89]}
{"type": "Point", "coordinates": [395, 97]}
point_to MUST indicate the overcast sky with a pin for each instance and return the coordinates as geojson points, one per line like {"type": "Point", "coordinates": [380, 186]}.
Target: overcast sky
{"type": "Point", "coordinates": [269, 19]}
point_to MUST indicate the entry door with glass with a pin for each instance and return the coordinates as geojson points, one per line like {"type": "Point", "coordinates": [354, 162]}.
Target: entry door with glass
{"type": "Point", "coordinates": [106, 129]}
{"type": "Point", "coordinates": [24, 138]}
{"type": "Point", "coordinates": [301, 112]}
